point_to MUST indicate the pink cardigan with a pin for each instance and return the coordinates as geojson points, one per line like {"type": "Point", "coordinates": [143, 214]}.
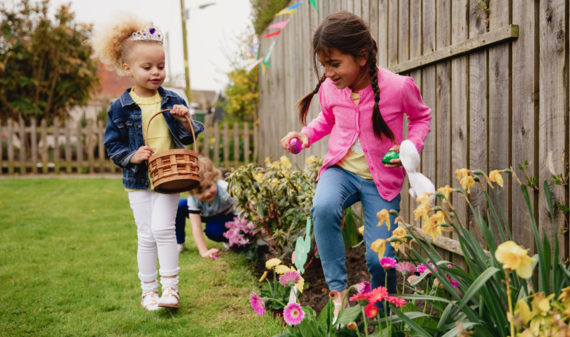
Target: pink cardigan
{"type": "Point", "coordinates": [345, 122]}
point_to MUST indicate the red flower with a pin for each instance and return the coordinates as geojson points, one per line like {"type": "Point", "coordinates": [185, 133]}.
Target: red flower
{"type": "Point", "coordinates": [377, 295]}
{"type": "Point", "coordinates": [398, 302]}
{"type": "Point", "coordinates": [371, 310]}
{"type": "Point", "coordinates": [359, 297]}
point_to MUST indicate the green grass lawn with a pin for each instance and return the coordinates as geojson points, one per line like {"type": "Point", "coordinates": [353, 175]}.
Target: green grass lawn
{"type": "Point", "coordinates": [68, 268]}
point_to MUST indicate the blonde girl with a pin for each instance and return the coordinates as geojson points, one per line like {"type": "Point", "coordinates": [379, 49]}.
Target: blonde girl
{"type": "Point", "coordinates": [133, 47]}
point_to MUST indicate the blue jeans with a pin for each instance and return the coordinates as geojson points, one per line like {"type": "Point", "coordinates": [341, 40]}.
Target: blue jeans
{"type": "Point", "coordinates": [337, 190]}
{"type": "Point", "coordinates": [215, 226]}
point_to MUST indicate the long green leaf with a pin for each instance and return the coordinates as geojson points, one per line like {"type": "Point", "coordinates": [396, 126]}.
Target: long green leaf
{"type": "Point", "coordinates": [445, 315]}
{"type": "Point", "coordinates": [503, 214]}
{"type": "Point", "coordinates": [411, 314]}
{"type": "Point", "coordinates": [453, 332]}
{"type": "Point", "coordinates": [556, 286]}
{"type": "Point", "coordinates": [479, 282]}
{"type": "Point", "coordinates": [424, 298]}
{"type": "Point", "coordinates": [410, 322]}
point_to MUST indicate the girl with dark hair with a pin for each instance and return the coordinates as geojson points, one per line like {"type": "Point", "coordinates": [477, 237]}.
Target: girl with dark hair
{"type": "Point", "coordinates": [362, 109]}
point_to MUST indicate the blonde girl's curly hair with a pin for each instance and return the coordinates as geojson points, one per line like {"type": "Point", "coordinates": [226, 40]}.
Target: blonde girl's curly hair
{"type": "Point", "coordinates": [208, 174]}
{"type": "Point", "coordinates": [112, 44]}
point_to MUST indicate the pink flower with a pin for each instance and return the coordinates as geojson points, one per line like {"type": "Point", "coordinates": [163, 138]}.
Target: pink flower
{"type": "Point", "coordinates": [250, 226]}
{"type": "Point", "coordinates": [387, 262]}
{"type": "Point", "coordinates": [377, 295]}
{"type": "Point", "coordinates": [398, 302]}
{"type": "Point", "coordinates": [257, 304]}
{"type": "Point", "coordinates": [412, 278]}
{"type": "Point", "coordinates": [371, 310]}
{"type": "Point", "coordinates": [288, 277]}
{"type": "Point", "coordinates": [359, 297]}
{"type": "Point", "coordinates": [422, 268]}
{"type": "Point", "coordinates": [363, 287]}
{"type": "Point", "coordinates": [293, 314]}
{"type": "Point", "coordinates": [406, 268]}
{"type": "Point", "coordinates": [454, 283]}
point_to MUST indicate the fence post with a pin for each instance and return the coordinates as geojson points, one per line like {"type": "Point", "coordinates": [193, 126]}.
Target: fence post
{"type": "Point", "coordinates": [1, 149]}
{"type": "Point", "coordinates": [90, 146]}
{"type": "Point", "coordinates": [255, 144]}
{"type": "Point", "coordinates": [22, 146]}
{"type": "Point", "coordinates": [206, 142]}
{"type": "Point", "coordinates": [45, 168]}
{"type": "Point", "coordinates": [10, 146]}
{"type": "Point", "coordinates": [34, 141]}
{"type": "Point", "coordinates": [245, 143]}
{"type": "Point", "coordinates": [217, 144]}
{"type": "Point", "coordinates": [68, 155]}
{"type": "Point", "coordinates": [101, 133]}
{"type": "Point", "coordinates": [226, 146]}
{"type": "Point", "coordinates": [56, 155]}
{"type": "Point", "coordinates": [236, 144]}
{"type": "Point", "coordinates": [79, 148]}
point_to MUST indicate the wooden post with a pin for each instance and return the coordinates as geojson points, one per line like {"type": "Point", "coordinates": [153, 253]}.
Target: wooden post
{"type": "Point", "coordinates": [10, 146]}
{"type": "Point", "coordinates": [101, 133]}
{"type": "Point", "coordinates": [206, 143]}
{"type": "Point", "coordinates": [226, 146]}
{"type": "Point", "coordinates": [90, 146]}
{"type": "Point", "coordinates": [22, 146]}
{"type": "Point", "coordinates": [45, 168]}
{"type": "Point", "coordinates": [68, 155]}
{"type": "Point", "coordinates": [56, 155]}
{"type": "Point", "coordinates": [245, 143]}
{"type": "Point", "coordinates": [255, 144]}
{"type": "Point", "coordinates": [79, 145]}
{"type": "Point", "coordinates": [236, 144]}
{"type": "Point", "coordinates": [34, 141]}
{"type": "Point", "coordinates": [217, 144]}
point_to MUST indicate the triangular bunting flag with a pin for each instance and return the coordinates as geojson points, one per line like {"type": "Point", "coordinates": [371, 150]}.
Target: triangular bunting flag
{"type": "Point", "coordinates": [279, 25]}
{"type": "Point", "coordinates": [253, 65]}
{"type": "Point", "coordinates": [313, 2]}
{"type": "Point", "coordinates": [271, 35]}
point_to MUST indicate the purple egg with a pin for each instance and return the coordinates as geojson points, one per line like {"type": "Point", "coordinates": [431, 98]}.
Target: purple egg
{"type": "Point", "coordinates": [295, 146]}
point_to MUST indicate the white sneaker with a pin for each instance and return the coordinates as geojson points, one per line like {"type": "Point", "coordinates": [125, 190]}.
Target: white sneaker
{"type": "Point", "coordinates": [181, 247]}
{"type": "Point", "coordinates": [150, 301]}
{"type": "Point", "coordinates": [226, 245]}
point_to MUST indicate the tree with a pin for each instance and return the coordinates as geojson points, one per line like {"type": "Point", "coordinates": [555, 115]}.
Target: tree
{"type": "Point", "coordinates": [45, 66]}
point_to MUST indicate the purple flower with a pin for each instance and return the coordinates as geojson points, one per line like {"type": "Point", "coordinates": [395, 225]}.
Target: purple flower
{"type": "Point", "coordinates": [454, 283]}
{"type": "Point", "coordinates": [406, 268]}
{"type": "Point", "coordinates": [293, 314]}
{"type": "Point", "coordinates": [257, 304]}
{"type": "Point", "coordinates": [288, 277]}
{"type": "Point", "coordinates": [387, 262]}
{"type": "Point", "coordinates": [364, 287]}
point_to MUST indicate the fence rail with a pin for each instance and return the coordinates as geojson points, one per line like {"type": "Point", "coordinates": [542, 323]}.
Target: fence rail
{"type": "Point", "coordinates": [26, 149]}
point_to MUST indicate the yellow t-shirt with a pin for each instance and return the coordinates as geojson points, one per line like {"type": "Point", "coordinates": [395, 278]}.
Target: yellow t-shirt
{"type": "Point", "coordinates": [354, 161]}
{"type": "Point", "coordinates": [159, 138]}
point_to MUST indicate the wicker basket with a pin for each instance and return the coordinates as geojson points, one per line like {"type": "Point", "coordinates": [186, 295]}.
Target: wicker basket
{"type": "Point", "coordinates": [174, 171]}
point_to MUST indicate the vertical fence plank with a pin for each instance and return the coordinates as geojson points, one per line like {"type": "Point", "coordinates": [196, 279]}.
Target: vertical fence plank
{"type": "Point", "coordinates": [246, 143]}
{"type": "Point", "coordinates": [68, 155]}
{"type": "Point", "coordinates": [90, 147]}
{"type": "Point", "coordinates": [226, 146]}
{"type": "Point", "coordinates": [383, 33]}
{"type": "Point", "coordinates": [393, 32]}
{"type": "Point", "coordinates": [79, 132]}
{"type": "Point", "coordinates": [365, 8]}
{"type": "Point", "coordinates": [34, 143]}
{"type": "Point", "coordinates": [403, 53]}
{"type": "Point", "coordinates": [357, 7]}
{"type": "Point", "coordinates": [499, 104]}
{"type": "Point", "coordinates": [206, 143]}
{"type": "Point", "coordinates": [236, 144]}
{"type": "Point", "coordinates": [100, 138]}
{"type": "Point", "coordinates": [217, 144]}
{"type": "Point", "coordinates": [552, 112]}
{"type": "Point", "coordinates": [1, 150]}
{"type": "Point", "coordinates": [428, 89]}
{"type": "Point", "coordinates": [374, 18]}
{"type": "Point", "coordinates": [350, 5]}
{"type": "Point", "coordinates": [10, 146]}
{"type": "Point", "coordinates": [255, 144]}
{"type": "Point", "coordinates": [22, 135]}
{"type": "Point", "coordinates": [56, 155]}
{"type": "Point", "coordinates": [45, 147]}
{"type": "Point", "coordinates": [478, 115]}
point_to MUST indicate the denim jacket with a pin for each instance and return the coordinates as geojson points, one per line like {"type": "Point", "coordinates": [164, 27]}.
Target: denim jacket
{"type": "Point", "coordinates": [124, 135]}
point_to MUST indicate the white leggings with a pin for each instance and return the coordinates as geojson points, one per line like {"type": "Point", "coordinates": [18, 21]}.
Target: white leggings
{"type": "Point", "coordinates": [155, 215]}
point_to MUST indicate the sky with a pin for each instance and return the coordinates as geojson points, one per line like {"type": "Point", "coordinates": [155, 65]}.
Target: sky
{"type": "Point", "coordinates": [210, 30]}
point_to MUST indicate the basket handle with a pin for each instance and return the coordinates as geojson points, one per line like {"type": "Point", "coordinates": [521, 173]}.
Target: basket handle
{"type": "Point", "coordinates": [187, 118]}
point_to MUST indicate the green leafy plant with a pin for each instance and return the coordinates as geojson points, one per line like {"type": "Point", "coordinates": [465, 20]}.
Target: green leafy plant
{"type": "Point", "coordinates": [531, 181]}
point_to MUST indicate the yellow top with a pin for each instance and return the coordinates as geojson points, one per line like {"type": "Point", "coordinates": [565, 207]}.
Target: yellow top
{"type": "Point", "coordinates": [159, 138]}
{"type": "Point", "coordinates": [354, 161]}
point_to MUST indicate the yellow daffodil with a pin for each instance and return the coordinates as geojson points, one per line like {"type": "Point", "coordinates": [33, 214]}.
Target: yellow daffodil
{"type": "Point", "coordinates": [310, 160]}
{"type": "Point", "coordinates": [361, 230]}
{"type": "Point", "coordinates": [564, 295]}
{"type": "Point", "coordinates": [422, 211]}
{"type": "Point", "coordinates": [496, 177]}
{"type": "Point", "coordinates": [446, 191]}
{"type": "Point", "coordinates": [267, 160]}
{"type": "Point", "coordinates": [467, 182]}
{"type": "Point", "coordinates": [438, 217]}
{"type": "Point", "coordinates": [398, 233]}
{"type": "Point", "coordinates": [522, 310]}
{"type": "Point", "coordinates": [379, 246]}
{"type": "Point", "coordinates": [274, 182]}
{"type": "Point", "coordinates": [462, 173]}
{"type": "Point", "coordinates": [258, 176]}
{"type": "Point", "coordinates": [272, 263]}
{"type": "Point", "coordinates": [282, 269]}
{"type": "Point", "coordinates": [514, 257]}
{"type": "Point", "coordinates": [285, 162]}
{"type": "Point", "coordinates": [383, 217]}
{"type": "Point", "coordinates": [262, 278]}
{"type": "Point", "coordinates": [275, 163]}
{"type": "Point", "coordinates": [424, 198]}
{"type": "Point", "coordinates": [432, 229]}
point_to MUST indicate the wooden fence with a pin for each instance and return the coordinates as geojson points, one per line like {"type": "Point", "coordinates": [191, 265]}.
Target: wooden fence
{"type": "Point", "coordinates": [28, 149]}
{"type": "Point", "coordinates": [496, 81]}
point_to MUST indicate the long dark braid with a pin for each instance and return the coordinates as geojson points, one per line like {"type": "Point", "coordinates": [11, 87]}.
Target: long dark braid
{"type": "Point", "coordinates": [304, 103]}
{"type": "Point", "coordinates": [378, 123]}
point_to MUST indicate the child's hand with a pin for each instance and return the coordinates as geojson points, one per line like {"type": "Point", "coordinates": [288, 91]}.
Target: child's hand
{"type": "Point", "coordinates": [212, 254]}
{"type": "Point", "coordinates": [142, 154]}
{"type": "Point", "coordinates": [180, 112]}
{"type": "Point", "coordinates": [299, 135]}
{"type": "Point", "coordinates": [395, 162]}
